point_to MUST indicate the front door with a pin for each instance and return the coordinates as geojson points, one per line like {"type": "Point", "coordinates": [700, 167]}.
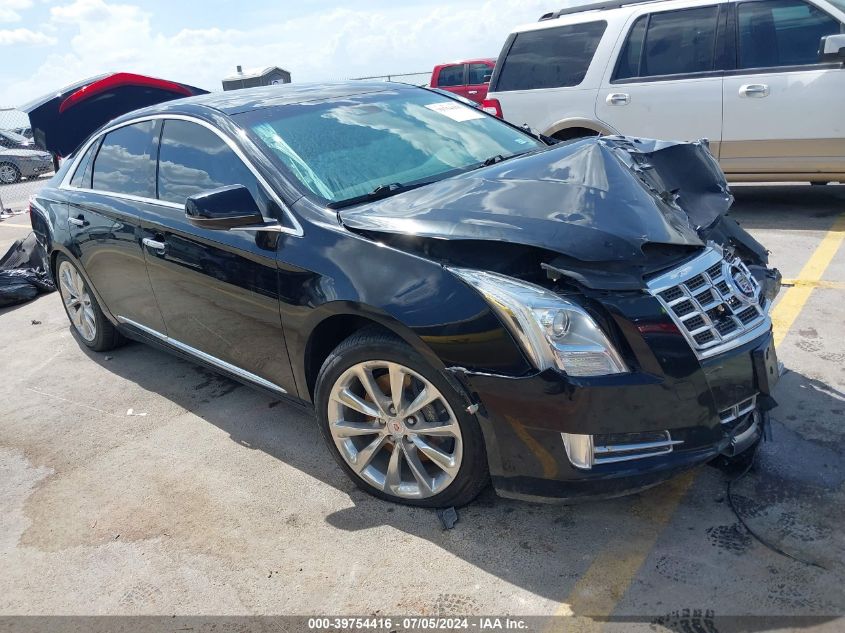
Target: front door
{"type": "Point", "coordinates": [218, 290]}
{"type": "Point", "coordinates": [783, 108]}
{"type": "Point", "coordinates": [453, 79]}
{"type": "Point", "coordinates": [106, 195]}
{"type": "Point", "coordinates": [667, 81]}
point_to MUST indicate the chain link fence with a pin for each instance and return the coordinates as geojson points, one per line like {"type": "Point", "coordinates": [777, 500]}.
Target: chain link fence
{"type": "Point", "coordinates": [24, 167]}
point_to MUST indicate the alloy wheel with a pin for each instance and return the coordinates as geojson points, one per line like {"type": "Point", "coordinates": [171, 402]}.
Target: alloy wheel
{"type": "Point", "coordinates": [77, 301]}
{"type": "Point", "coordinates": [8, 174]}
{"type": "Point", "coordinates": [395, 429]}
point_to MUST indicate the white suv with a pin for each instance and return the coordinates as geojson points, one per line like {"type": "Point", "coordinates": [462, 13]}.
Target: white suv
{"type": "Point", "coordinates": [763, 80]}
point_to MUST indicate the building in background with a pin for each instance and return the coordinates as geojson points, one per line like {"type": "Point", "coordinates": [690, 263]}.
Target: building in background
{"type": "Point", "coordinates": [256, 77]}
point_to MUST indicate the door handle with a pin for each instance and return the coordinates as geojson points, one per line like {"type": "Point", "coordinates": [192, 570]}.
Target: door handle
{"type": "Point", "coordinates": [755, 91]}
{"type": "Point", "coordinates": [153, 244]}
{"type": "Point", "coordinates": [618, 99]}
{"type": "Point", "coordinates": [472, 92]}
{"type": "Point", "coordinates": [78, 220]}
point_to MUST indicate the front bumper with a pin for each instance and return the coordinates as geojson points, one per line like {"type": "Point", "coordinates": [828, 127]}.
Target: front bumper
{"type": "Point", "coordinates": [523, 419]}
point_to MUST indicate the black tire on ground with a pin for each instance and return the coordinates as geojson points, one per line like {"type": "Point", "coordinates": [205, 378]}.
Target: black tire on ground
{"type": "Point", "coordinates": [374, 344]}
{"type": "Point", "coordinates": [107, 336]}
{"type": "Point", "coordinates": [9, 174]}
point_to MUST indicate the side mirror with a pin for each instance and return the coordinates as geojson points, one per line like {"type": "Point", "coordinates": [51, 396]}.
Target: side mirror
{"type": "Point", "coordinates": [225, 208]}
{"type": "Point", "coordinates": [487, 78]}
{"type": "Point", "coordinates": [832, 48]}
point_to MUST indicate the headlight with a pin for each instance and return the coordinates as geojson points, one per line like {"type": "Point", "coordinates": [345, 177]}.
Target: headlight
{"type": "Point", "coordinates": [553, 332]}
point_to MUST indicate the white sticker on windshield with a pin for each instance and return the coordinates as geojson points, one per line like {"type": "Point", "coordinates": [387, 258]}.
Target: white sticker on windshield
{"type": "Point", "coordinates": [456, 111]}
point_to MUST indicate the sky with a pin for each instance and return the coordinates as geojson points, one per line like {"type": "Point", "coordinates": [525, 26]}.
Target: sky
{"type": "Point", "coordinates": [49, 44]}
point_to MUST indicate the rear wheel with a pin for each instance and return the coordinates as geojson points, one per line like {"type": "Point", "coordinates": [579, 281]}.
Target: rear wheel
{"type": "Point", "coordinates": [9, 173]}
{"type": "Point", "coordinates": [89, 323]}
{"type": "Point", "coordinates": [397, 426]}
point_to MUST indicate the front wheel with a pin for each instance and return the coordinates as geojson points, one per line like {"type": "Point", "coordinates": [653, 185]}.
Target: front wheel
{"type": "Point", "coordinates": [396, 426]}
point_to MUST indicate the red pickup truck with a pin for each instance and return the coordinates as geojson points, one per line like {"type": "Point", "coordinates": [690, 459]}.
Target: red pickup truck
{"type": "Point", "coordinates": [469, 78]}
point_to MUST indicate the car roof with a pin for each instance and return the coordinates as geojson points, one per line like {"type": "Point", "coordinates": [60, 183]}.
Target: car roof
{"type": "Point", "coordinates": [603, 10]}
{"type": "Point", "coordinates": [247, 99]}
{"type": "Point", "coordinates": [472, 60]}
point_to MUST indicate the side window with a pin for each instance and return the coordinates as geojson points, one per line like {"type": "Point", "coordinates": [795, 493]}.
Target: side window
{"type": "Point", "coordinates": [193, 159]}
{"type": "Point", "coordinates": [550, 58]}
{"type": "Point", "coordinates": [628, 64]}
{"type": "Point", "coordinates": [123, 163]}
{"type": "Point", "coordinates": [679, 42]}
{"type": "Point", "coordinates": [776, 33]}
{"type": "Point", "coordinates": [451, 76]}
{"type": "Point", "coordinates": [477, 73]}
{"type": "Point", "coordinates": [82, 175]}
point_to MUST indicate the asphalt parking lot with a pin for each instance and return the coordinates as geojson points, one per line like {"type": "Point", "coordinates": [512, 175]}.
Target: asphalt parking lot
{"type": "Point", "coordinates": [137, 483]}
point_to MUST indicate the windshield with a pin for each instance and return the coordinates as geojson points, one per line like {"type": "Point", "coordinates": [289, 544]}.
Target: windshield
{"type": "Point", "coordinates": [347, 148]}
{"type": "Point", "coordinates": [839, 4]}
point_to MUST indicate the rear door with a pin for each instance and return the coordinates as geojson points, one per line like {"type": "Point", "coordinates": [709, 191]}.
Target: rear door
{"type": "Point", "coordinates": [783, 107]}
{"type": "Point", "coordinates": [666, 81]}
{"type": "Point", "coordinates": [112, 185]}
{"type": "Point", "coordinates": [218, 290]}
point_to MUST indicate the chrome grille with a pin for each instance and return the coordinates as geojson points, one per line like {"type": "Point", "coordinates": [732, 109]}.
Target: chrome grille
{"type": "Point", "coordinates": [706, 302]}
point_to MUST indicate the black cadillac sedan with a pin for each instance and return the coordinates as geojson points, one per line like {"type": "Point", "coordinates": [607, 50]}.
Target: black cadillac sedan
{"type": "Point", "coordinates": [461, 301]}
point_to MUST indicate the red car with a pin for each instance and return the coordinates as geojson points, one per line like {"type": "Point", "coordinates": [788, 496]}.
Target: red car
{"type": "Point", "coordinates": [469, 78]}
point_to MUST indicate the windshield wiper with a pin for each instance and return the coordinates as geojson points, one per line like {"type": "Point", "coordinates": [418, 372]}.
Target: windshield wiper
{"type": "Point", "coordinates": [382, 191]}
{"type": "Point", "coordinates": [498, 158]}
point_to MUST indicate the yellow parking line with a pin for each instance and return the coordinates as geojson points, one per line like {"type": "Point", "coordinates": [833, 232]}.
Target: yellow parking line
{"type": "Point", "coordinates": [598, 591]}
{"type": "Point", "coordinates": [790, 304]}
{"type": "Point", "coordinates": [819, 283]}
{"type": "Point", "coordinates": [608, 578]}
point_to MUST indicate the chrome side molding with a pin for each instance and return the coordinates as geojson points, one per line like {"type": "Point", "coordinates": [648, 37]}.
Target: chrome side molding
{"type": "Point", "coordinates": [208, 358]}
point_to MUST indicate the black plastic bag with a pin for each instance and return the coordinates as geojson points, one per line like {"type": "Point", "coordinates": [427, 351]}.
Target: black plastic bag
{"type": "Point", "coordinates": [24, 272]}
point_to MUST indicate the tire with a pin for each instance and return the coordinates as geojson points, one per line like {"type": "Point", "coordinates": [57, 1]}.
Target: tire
{"type": "Point", "coordinates": [409, 466]}
{"type": "Point", "coordinates": [88, 323]}
{"type": "Point", "coordinates": [9, 173]}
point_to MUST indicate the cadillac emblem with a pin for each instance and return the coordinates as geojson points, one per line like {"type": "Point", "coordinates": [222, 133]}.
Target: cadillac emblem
{"type": "Point", "coordinates": [743, 283]}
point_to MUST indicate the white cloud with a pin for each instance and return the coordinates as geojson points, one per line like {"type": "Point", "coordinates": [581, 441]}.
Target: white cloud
{"type": "Point", "coordinates": [24, 36]}
{"type": "Point", "coordinates": [322, 46]}
{"type": "Point", "coordinates": [9, 9]}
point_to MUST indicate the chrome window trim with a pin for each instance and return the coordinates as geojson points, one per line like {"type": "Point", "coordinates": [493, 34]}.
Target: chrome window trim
{"type": "Point", "coordinates": [213, 360]}
{"type": "Point", "coordinates": [296, 227]}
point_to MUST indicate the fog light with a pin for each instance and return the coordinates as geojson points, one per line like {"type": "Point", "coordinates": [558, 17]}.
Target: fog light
{"type": "Point", "coordinates": [579, 449]}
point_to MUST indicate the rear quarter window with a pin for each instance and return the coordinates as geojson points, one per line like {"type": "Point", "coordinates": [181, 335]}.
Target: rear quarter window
{"type": "Point", "coordinates": [82, 177]}
{"type": "Point", "coordinates": [550, 58]}
{"type": "Point", "coordinates": [123, 163]}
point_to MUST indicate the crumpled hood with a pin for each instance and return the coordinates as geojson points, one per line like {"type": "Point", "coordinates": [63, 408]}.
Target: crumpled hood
{"type": "Point", "coordinates": [595, 200]}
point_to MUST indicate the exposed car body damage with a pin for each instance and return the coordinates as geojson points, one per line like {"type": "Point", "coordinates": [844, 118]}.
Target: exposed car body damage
{"type": "Point", "coordinates": [603, 211]}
